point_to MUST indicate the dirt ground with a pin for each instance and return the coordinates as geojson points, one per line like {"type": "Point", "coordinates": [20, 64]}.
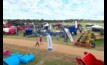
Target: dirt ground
{"type": "Point", "coordinates": [57, 47]}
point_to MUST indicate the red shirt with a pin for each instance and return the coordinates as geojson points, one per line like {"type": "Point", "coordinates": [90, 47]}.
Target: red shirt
{"type": "Point", "coordinates": [40, 39]}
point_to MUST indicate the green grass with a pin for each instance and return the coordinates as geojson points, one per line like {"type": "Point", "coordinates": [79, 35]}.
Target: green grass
{"type": "Point", "coordinates": [57, 62]}
{"type": "Point", "coordinates": [83, 23]}
{"type": "Point", "coordinates": [99, 44]}
{"type": "Point", "coordinates": [42, 56]}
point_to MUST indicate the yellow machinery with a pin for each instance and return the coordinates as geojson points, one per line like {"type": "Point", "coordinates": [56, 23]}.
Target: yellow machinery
{"type": "Point", "coordinates": [94, 37]}
{"type": "Point", "coordinates": [86, 39]}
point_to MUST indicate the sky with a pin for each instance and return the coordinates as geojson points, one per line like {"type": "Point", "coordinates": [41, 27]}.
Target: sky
{"type": "Point", "coordinates": [53, 9]}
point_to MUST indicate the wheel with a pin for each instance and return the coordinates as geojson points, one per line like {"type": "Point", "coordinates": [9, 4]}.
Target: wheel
{"type": "Point", "coordinates": [93, 45]}
{"type": "Point", "coordinates": [75, 32]}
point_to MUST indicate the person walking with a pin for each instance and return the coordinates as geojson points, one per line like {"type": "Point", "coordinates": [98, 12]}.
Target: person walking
{"type": "Point", "coordinates": [37, 42]}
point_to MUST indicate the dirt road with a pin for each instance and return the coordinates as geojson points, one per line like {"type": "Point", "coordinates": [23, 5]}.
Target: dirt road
{"type": "Point", "coordinates": [57, 47]}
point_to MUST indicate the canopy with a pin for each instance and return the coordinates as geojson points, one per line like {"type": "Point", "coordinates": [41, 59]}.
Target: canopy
{"type": "Point", "coordinates": [46, 24]}
{"type": "Point", "coordinates": [97, 26]}
{"type": "Point", "coordinates": [28, 29]}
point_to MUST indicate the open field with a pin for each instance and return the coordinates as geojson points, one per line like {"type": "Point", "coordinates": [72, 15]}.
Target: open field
{"type": "Point", "coordinates": [84, 23]}
{"type": "Point", "coordinates": [57, 47]}
{"type": "Point", "coordinates": [99, 43]}
{"type": "Point", "coordinates": [25, 45]}
{"type": "Point", "coordinates": [43, 57]}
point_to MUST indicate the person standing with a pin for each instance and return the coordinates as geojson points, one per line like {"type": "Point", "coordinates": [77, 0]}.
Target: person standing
{"type": "Point", "coordinates": [40, 39]}
{"type": "Point", "coordinates": [37, 42]}
{"type": "Point", "coordinates": [16, 30]}
{"type": "Point", "coordinates": [80, 28]}
{"type": "Point", "coordinates": [57, 35]}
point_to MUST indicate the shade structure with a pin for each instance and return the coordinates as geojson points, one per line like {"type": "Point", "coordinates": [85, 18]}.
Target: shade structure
{"type": "Point", "coordinates": [28, 31]}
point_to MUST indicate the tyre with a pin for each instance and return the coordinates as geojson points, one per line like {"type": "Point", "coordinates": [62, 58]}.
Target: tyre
{"type": "Point", "coordinates": [93, 45]}
{"type": "Point", "coordinates": [75, 32]}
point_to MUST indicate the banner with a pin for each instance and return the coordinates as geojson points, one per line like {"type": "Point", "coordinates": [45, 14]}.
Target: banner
{"type": "Point", "coordinates": [69, 34]}
{"type": "Point", "coordinates": [50, 26]}
{"type": "Point", "coordinates": [49, 40]}
{"type": "Point", "coordinates": [75, 24]}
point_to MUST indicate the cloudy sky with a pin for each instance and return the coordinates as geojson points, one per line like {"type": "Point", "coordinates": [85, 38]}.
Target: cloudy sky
{"type": "Point", "coordinates": [53, 9]}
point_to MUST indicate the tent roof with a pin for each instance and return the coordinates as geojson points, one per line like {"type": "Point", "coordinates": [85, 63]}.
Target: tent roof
{"type": "Point", "coordinates": [46, 24]}
{"type": "Point", "coordinates": [97, 26]}
{"type": "Point", "coordinates": [28, 29]}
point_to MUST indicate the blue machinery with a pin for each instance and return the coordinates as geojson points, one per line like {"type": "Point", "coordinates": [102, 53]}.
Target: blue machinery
{"type": "Point", "coordinates": [16, 59]}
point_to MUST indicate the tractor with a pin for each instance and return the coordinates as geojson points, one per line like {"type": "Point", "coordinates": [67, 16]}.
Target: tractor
{"type": "Point", "coordinates": [88, 59]}
{"type": "Point", "coordinates": [85, 40]}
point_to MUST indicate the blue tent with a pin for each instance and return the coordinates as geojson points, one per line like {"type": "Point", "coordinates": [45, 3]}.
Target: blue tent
{"type": "Point", "coordinates": [72, 29]}
{"type": "Point", "coordinates": [28, 31]}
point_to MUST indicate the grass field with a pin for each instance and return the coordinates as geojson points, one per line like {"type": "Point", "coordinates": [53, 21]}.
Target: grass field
{"type": "Point", "coordinates": [83, 23]}
{"type": "Point", "coordinates": [43, 57]}
{"type": "Point", "coordinates": [99, 43]}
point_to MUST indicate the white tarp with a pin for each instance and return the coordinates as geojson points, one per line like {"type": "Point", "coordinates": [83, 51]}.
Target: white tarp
{"type": "Point", "coordinates": [97, 26]}
{"type": "Point", "coordinates": [6, 29]}
{"type": "Point", "coordinates": [46, 24]}
{"type": "Point", "coordinates": [49, 40]}
{"type": "Point", "coordinates": [69, 34]}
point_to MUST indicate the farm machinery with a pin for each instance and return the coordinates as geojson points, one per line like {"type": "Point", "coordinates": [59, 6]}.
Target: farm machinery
{"type": "Point", "coordinates": [86, 40]}
{"type": "Point", "coordinates": [88, 59]}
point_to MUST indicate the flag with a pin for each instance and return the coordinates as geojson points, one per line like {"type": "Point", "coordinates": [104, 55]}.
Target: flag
{"type": "Point", "coordinates": [49, 41]}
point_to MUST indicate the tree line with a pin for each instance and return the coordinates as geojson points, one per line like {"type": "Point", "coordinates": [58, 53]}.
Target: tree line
{"type": "Point", "coordinates": [51, 21]}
